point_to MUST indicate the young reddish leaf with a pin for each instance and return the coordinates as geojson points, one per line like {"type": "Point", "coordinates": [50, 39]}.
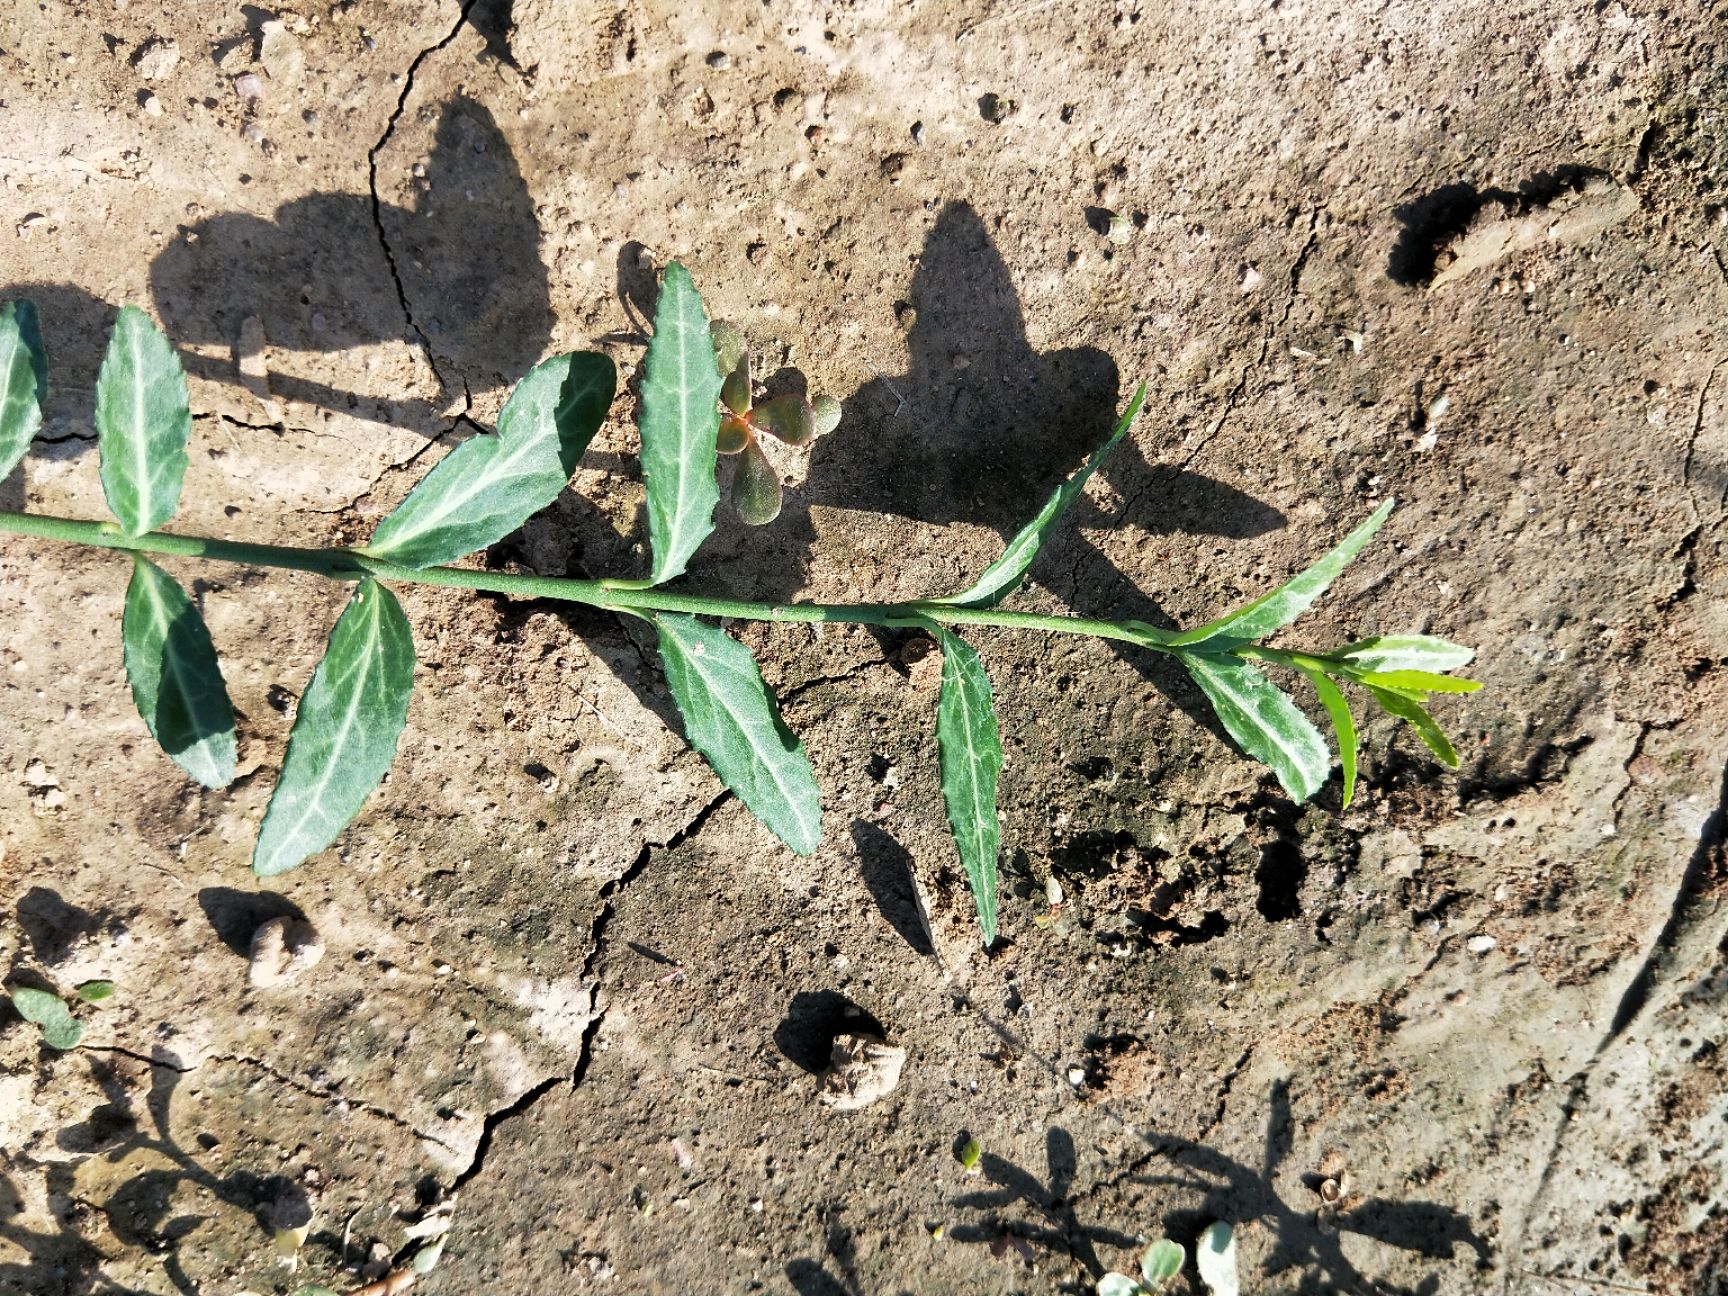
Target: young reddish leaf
{"type": "Point", "coordinates": [788, 417]}
{"type": "Point", "coordinates": [756, 487]}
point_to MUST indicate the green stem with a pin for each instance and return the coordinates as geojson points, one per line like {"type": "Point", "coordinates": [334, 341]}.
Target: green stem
{"type": "Point", "coordinates": [623, 596]}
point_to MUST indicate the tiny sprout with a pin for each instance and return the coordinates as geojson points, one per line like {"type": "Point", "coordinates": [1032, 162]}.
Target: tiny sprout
{"type": "Point", "coordinates": [971, 1156]}
{"type": "Point", "coordinates": [791, 418]}
{"type": "Point", "coordinates": [94, 991]}
{"type": "Point", "coordinates": [1215, 1255]}
{"type": "Point", "coordinates": [48, 1011]}
{"type": "Point", "coordinates": [938, 1232]}
{"type": "Point", "coordinates": [1162, 1262]}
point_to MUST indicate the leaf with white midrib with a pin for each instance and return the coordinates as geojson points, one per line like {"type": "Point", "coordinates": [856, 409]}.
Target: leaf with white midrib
{"type": "Point", "coordinates": [143, 418]}
{"type": "Point", "coordinates": [23, 381]}
{"type": "Point", "coordinates": [1002, 577]}
{"type": "Point", "coordinates": [176, 681]}
{"type": "Point", "coordinates": [731, 718]}
{"type": "Point", "coordinates": [1283, 605]}
{"type": "Point", "coordinates": [490, 485]}
{"type": "Point", "coordinates": [345, 733]}
{"type": "Point", "coordinates": [969, 750]}
{"type": "Point", "coordinates": [680, 423]}
{"type": "Point", "coordinates": [1263, 721]}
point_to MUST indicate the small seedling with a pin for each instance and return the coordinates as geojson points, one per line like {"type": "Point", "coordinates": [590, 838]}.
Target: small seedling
{"type": "Point", "coordinates": [796, 421]}
{"type": "Point", "coordinates": [94, 991]}
{"type": "Point", "coordinates": [354, 708]}
{"type": "Point", "coordinates": [972, 1156]}
{"type": "Point", "coordinates": [1162, 1262]}
{"type": "Point", "coordinates": [60, 1030]}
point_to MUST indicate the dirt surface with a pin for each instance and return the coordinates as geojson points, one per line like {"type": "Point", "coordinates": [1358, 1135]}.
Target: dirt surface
{"type": "Point", "coordinates": [569, 981]}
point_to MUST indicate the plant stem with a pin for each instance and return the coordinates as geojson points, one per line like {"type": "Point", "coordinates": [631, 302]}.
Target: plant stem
{"type": "Point", "coordinates": [349, 564]}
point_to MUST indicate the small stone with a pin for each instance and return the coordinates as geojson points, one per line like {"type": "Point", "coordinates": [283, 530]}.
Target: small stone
{"type": "Point", "coordinates": [719, 60]}
{"type": "Point", "coordinates": [861, 1070]}
{"type": "Point", "coordinates": [1480, 944]}
{"type": "Point", "coordinates": [1120, 230]}
{"type": "Point", "coordinates": [960, 360]}
{"type": "Point", "coordinates": [151, 105]}
{"type": "Point", "coordinates": [994, 109]}
{"type": "Point", "coordinates": [280, 53]}
{"type": "Point", "coordinates": [918, 133]}
{"type": "Point", "coordinates": [249, 86]}
{"type": "Point", "coordinates": [1251, 279]}
{"type": "Point", "coordinates": [1076, 1076]}
{"type": "Point", "coordinates": [282, 949]}
{"type": "Point", "coordinates": [757, 253]}
{"type": "Point", "coordinates": [156, 58]}
{"type": "Point", "coordinates": [815, 134]}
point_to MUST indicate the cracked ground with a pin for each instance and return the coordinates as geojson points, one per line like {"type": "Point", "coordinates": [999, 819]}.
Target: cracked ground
{"type": "Point", "coordinates": [570, 982]}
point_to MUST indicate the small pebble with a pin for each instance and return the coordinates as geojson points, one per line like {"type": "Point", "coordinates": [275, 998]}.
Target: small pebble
{"type": "Point", "coordinates": [249, 86]}
{"type": "Point", "coordinates": [1480, 944]}
{"type": "Point", "coordinates": [861, 1070]}
{"type": "Point", "coordinates": [156, 58]}
{"type": "Point", "coordinates": [918, 133]}
{"type": "Point", "coordinates": [151, 104]}
{"type": "Point", "coordinates": [282, 949]}
{"type": "Point", "coordinates": [994, 109]}
{"type": "Point", "coordinates": [1076, 1076]}
{"type": "Point", "coordinates": [719, 60]}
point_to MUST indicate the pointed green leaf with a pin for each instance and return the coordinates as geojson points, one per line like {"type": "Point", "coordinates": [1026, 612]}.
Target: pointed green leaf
{"type": "Point", "coordinates": [1002, 577]}
{"type": "Point", "coordinates": [969, 749]}
{"type": "Point", "coordinates": [1215, 1256]}
{"type": "Point", "coordinates": [1263, 721]}
{"type": "Point", "coordinates": [1417, 681]}
{"type": "Point", "coordinates": [49, 1011]}
{"type": "Point", "coordinates": [95, 991]}
{"type": "Point", "coordinates": [1406, 652]}
{"type": "Point", "coordinates": [680, 421]}
{"type": "Point", "coordinates": [23, 381]}
{"type": "Point", "coordinates": [731, 718]}
{"type": "Point", "coordinates": [1416, 715]}
{"type": "Point", "coordinates": [1343, 724]}
{"type": "Point", "coordinates": [489, 486]}
{"type": "Point", "coordinates": [143, 418]}
{"type": "Point", "coordinates": [175, 678]}
{"type": "Point", "coordinates": [1283, 605]}
{"type": "Point", "coordinates": [1163, 1261]}
{"type": "Point", "coordinates": [1117, 1284]}
{"type": "Point", "coordinates": [345, 734]}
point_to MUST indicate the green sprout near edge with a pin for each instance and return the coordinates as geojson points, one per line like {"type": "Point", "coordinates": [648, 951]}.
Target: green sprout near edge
{"type": "Point", "coordinates": [353, 710]}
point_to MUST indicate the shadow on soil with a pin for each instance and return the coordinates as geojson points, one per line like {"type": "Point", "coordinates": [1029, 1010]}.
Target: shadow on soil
{"type": "Point", "coordinates": [140, 1212]}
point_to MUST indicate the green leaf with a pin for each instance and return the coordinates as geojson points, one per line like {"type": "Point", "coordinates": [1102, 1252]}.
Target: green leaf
{"type": "Point", "coordinates": [23, 381]}
{"type": "Point", "coordinates": [489, 486]}
{"type": "Point", "coordinates": [1263, 721]}
{"type": "Point", "coordinates": [1406, 652]}
{"type": "Point", "coordinates": [1416, 715]}
{"type": "Point", "coordinates": [95, 991]}
{"type": "Point", "coordinates": [1215, 1256]}
{"type": "Point", "coordinates": [969, 749]}
{"type": "Point", "coordinates": [730, 717]}
{"type": "Point", "coordinates": [175, 679]}
{"type": "Point", "coordinates": [1343, 724]}
{"type": "Point", "coordinates": [971, 1153]}
{"type": "Point", "coordinates": [1002, 577]}
{"type": "Point", "coordinates": [143, 418]}
{"type": "Point", "coordinates": [345, 735]}
{"type": "Point", "coordinates": [680, 421]}
{"type": "Point", "coordinates": [1163, 1261]}
{"type": "Point", "coordinates": [1416, 681]}
{"type": "Point", "coordinates": [49, 1011]}
{"type": "Point", "coordinates": [1283, 605]}
{"type": "Point", "coordinates": [1116, 1284]}
{"type": "Point", "coordinates": [755, 487]}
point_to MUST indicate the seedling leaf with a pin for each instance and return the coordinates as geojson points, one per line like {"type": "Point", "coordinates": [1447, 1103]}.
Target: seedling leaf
{"type": "Point", "coordinates": [1406, 652]}
{"type": "Point", "coordinates": [175, 678]}
{"type": "Point", "coordinates": [48, 1011]}
{"type": "Point", "coordinates": [1215, 1257]}
{"type": "Point", "coordinates": [94, 991]}
{"type": "Point", "coordinates": [1410, 710]}
{"type": "Point", "coordinates": [1002, 577]}
{"type": "Point", "coordinates": [1283, 605]}
{"type": "Point", "coordinates": [680, 421]}
{"type": "Point", "coordinates": [143, 418]}
{"type": "Point", "coordinates": [756, 487]}
{"type": "Point", "coordinates": [1417, 681]}
{"type": "Point", "coordinates": [1162, 1262]}
{"type": "Point", "coordinates": [1343, 724]}
{"type": "Point", "coordinates": [344, 737]}
{"type": "Point", "coordinates": [23, 381]}
{"type": "Point", "coordinates": [1116, 1284]}
{"type": "Point", "coordinates": [731, 718]}
{"type": "Point", "coordinates": [490, 485]}
{"type": "Point", "coordinates": [969, 749]}
{"type": "Point", "coordinates": [1263, 721]}
{"type": "Point", "coordinates": [971, 1154]}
